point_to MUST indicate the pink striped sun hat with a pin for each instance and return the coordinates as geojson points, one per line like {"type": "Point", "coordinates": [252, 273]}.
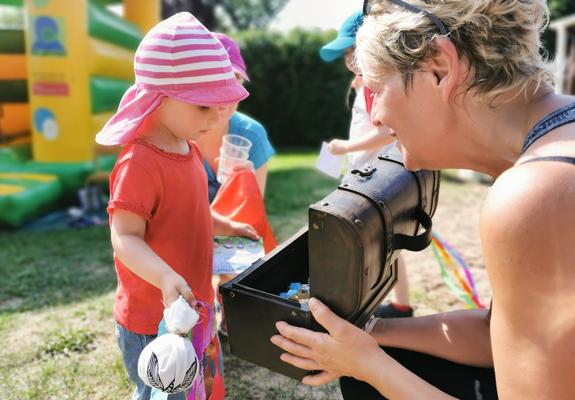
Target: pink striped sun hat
{"type": "Point", "coordinates": [178, 58]}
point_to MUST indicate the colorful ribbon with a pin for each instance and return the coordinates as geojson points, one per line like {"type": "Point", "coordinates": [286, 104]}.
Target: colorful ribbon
{"type": "Point", "coordinates": [455, 271]}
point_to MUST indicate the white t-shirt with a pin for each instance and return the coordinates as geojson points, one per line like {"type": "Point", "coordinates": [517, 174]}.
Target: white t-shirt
{"type": "Point", "coordinates": [360, 125]}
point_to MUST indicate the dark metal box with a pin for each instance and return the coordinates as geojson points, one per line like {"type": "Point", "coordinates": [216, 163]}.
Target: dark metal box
{"type": "Point", "coordinates": [347, 254]}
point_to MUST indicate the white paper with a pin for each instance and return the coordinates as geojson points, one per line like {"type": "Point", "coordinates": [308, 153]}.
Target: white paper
{"type": "Point", "coordinates": [328, 163]}
{"type": "Point", "coordinates": [233, 255]}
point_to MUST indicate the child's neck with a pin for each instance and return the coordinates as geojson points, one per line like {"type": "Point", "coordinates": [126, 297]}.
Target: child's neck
{"type": "Point", "coordinates": [156, 134]}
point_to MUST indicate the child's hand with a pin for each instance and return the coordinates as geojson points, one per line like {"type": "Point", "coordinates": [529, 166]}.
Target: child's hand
{"type": "Point", "coordinates": [244, 230]}
{"type": "Point", "coordinates": [338, 146]}
{"type": "Point", "coordinates": [244, 165]}
{"type": "Point", "coordinates": [172, 287]}
{"type": "Point", "coordinates": [241, 165]}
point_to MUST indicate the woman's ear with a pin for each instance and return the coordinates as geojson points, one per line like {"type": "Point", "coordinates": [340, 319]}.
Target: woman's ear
{"type": "Point", "coordinates": [446, 68]}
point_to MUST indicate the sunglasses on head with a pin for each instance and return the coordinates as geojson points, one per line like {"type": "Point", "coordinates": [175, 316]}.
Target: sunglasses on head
{"type": "Point", "coordinates": [412, 8]}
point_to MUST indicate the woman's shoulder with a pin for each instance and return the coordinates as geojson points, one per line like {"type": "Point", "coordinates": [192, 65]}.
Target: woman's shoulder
{"type": "Point", "coordinates": [526, 185]}
{"type": "Point", "coordinates": [528, 205]}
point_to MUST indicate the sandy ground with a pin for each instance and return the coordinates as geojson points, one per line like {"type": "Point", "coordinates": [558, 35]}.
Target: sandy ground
{"type": "Point", "coordinates": [457, 221]}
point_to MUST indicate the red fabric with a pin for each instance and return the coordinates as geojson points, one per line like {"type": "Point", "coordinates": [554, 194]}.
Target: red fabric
{"type": "Point", "coordinates": [170, 192]}
{"type": "Point", "coordinates": [240, 199]}
{"type": "Point", "coordinates": [368, 100]}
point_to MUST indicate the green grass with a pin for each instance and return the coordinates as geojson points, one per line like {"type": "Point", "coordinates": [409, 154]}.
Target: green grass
{"type": "Point", "coordinates": [294, 184]}
{"type": "Point", "coordinates": [44, 269]}
{"type": "Point", "coordinates": [56, 294]}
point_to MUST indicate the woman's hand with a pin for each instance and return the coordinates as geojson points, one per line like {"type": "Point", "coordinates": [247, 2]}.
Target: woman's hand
{"type": "Point", "coordinates": [338, 146]}
{"type": "Point", "coordinates": [336, 353]}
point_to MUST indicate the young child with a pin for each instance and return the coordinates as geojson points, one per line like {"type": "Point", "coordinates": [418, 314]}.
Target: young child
{"type": "Point", "coordinates": [365, 143]}
{"type": "Point", "coordinates": [160, 221]}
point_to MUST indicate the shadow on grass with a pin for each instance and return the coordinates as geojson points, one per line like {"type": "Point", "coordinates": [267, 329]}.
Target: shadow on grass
{"type": "Point", "coordinates": [41, 269]}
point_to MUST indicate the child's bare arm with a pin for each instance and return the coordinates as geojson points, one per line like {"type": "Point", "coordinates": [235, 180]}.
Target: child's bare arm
{"type": "Point", "coordinates": [128, 231]}
{"type": "Point", "coordinates": [372, 140]}
{"type": "Point", "coordinates": [226, 227]}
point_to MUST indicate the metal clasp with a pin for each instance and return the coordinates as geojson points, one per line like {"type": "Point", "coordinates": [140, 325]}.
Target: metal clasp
{"type": "Point", "coordinates": [365, 172]}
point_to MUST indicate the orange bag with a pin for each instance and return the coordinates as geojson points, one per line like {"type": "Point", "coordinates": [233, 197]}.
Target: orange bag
{"type": "Point", "coordinates": [240, 199]}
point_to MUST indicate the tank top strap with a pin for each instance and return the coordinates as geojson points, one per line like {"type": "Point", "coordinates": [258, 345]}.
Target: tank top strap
{"type": "Point", "coordinates": [557, 118]}
{"type": "Point", "coordinates": [568, 160]}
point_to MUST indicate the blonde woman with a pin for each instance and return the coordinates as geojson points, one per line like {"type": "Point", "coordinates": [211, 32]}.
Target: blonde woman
{"type": "Point", "coordinates": [462, 84]}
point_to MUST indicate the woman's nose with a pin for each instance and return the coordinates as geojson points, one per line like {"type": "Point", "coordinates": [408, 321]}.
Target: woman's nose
{"type": "Point", "coordinates": [375, 121]}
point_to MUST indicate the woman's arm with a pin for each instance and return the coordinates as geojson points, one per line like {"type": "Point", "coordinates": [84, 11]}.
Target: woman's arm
{"type": "Point", "coordinates": [459, 336]}
{"type": "Point", "coordinates": [528, 232]}
{"type": "Point", "coordinates": [348, 351]}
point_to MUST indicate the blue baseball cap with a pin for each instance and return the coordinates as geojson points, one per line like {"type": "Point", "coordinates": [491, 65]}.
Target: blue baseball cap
{"type": "Point", "coordinates": [344, 40]}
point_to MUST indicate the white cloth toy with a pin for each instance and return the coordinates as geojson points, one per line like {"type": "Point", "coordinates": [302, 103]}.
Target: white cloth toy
{"type": "Point", "coordinates": [180, 318]}
{"type": "Point", "coordinates": [169, 363]}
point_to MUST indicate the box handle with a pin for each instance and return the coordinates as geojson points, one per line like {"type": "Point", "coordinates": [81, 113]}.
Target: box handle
{"type": "Point", "coordinates": [418, 242]}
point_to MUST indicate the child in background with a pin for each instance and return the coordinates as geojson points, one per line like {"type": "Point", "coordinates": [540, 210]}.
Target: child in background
{"type": "Point", "coordinates": [233, 122]}
{"type": "Point", "coordinates": [160, 220]}
{"type": "Point", "coordinates": [365, 143]}
{"type": "Point", "coordinates": [236, 123]}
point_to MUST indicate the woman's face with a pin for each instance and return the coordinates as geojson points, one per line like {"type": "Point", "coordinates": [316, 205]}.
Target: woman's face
{"type": "Point", "coordinates": [413, 115]}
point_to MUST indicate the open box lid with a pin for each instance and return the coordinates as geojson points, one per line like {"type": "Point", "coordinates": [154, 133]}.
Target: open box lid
{"type": "Point", "coordinates": [357, 231]}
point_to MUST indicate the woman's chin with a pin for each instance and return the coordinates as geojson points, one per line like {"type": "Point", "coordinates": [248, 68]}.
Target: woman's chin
{"type": "Point", "coordinates": [408, 161]}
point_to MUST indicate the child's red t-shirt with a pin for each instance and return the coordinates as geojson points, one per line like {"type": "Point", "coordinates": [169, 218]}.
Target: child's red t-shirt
{"type": "Point", "coordinates": [170, 192]}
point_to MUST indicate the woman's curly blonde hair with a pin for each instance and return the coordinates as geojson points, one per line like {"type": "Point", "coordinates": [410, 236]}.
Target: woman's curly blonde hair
{"type": "Point", "coordinates": [500, 39]}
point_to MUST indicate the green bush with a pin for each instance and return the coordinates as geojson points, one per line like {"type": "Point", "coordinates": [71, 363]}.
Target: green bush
{"type": "Point", "coordinates": [298, 98]}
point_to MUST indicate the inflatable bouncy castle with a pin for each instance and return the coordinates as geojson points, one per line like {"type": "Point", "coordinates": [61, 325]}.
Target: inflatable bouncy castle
{"type": "Point", "coordinates": [63, 70]}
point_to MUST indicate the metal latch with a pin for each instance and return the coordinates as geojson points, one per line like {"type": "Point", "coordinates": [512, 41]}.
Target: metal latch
{"type": "Point", "coordinates": [365, 172]}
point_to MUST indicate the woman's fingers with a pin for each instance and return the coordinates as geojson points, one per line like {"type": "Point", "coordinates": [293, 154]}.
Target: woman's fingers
{"type": "Point", "coordinates": [326, 317]}
{"type": "Point", "coordinates": [320, 379]}
{"type": "Point", "coordinates": [299, 335]}
{"type": "Point", "coordinates": [290, 346]}
{"type": "Point", "coordinates": [299, 362]}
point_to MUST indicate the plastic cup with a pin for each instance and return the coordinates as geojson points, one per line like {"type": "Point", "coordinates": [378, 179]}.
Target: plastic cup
{"type": "Point", "coordinates": [234, 152]}
{"type": "Point", "coordinates": [236, 146]}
